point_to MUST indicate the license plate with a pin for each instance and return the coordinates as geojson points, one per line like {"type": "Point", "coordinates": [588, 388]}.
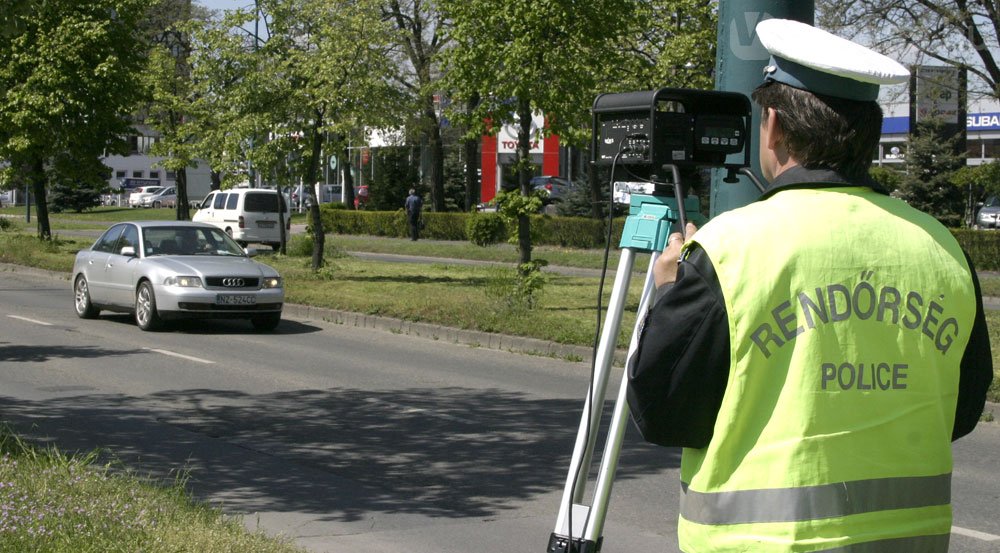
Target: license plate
{"type": "Point", "coordinates": [265, 224]}
{"type": "Point", "coordinates": [233, 299]}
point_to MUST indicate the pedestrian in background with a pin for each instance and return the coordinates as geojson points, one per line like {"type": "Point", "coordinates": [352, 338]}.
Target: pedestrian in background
{"type": "Point", "coordinates": [814, 352]}
{"type": "Point", "coordinates": [414, 204]}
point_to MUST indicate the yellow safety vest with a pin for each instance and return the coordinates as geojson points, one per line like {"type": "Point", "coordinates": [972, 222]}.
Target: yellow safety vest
{"type": "Point", "coordinates": [849, 313]}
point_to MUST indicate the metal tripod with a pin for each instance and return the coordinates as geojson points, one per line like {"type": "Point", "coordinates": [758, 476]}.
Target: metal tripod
{"type": "Point", "coordinates": [579, 526]}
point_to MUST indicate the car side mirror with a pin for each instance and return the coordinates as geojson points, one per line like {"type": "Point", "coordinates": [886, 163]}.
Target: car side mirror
{"type": "Point", "coordinates": [251, 252]}
{"type": "Point", "coordinates": [128, 251]}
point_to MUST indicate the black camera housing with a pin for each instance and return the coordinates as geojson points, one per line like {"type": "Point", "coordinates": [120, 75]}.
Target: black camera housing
{"type": "Point", "coordinates": [652, 129]}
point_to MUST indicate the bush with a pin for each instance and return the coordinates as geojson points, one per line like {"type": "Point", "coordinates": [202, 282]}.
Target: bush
{"type": "Point", "coordinates": [66, 197]}
{"type": "Point", "coordinates": [485, 229]}
{"type": "Point", "coordinates": [983, 246]}
{"type": "Point", "coordinates": [300, 245]}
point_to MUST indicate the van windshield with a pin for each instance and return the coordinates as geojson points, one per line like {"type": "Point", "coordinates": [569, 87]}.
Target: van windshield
{"type": "Point", "coordinates": [261, 202]}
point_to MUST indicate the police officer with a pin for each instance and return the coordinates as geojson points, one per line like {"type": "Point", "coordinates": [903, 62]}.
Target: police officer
{"type": "Point", "coordinates": [817, 351]}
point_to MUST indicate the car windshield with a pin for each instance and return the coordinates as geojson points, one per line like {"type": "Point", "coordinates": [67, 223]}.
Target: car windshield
{"type": "Point", "coordinates": [189, 241]}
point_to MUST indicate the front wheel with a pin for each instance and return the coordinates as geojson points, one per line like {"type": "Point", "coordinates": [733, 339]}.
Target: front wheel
{"type": "Point", "coordinates": [146, 316]}
{"type": "Point", "coordinates": [266, 322]}
{"type": "Point", "coordinates": [84, 307]}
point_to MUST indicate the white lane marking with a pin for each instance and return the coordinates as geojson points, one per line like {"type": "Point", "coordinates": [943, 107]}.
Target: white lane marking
{"type": "Point", "coordinates": [181, 356]}
{"type": "Point", "coordinates": [974, 534]}
{"type": "Point", "coordinates": [30, 320]}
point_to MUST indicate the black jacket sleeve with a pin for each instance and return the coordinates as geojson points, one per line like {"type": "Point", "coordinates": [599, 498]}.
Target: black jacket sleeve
{"type": "Point", "coordinates": [678, 374]}
{"type": "Point", "coordinates": [976, 370]}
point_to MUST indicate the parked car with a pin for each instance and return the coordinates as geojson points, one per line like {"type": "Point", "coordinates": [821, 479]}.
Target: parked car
{"type": "Point", "coordinates": [162, 270]}
{"type": "Point", "coordinates": [327, 193]}
{"type": "Point", "coordinates": [248, 215]}
{"type": "Point", "coordinates": [161, 198]}
{"type": "Point", "coordinates": [989, 214]}
{"type": "Point", "coordinates": [138, 194]}
{"type": "Point", "coordinates": [554, 189]}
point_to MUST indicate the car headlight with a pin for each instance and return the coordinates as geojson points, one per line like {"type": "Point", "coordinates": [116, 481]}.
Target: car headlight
{"type": "Point", "coordinates": [183, 281]}
{"type": "Point", "coordinates": [272, 282]}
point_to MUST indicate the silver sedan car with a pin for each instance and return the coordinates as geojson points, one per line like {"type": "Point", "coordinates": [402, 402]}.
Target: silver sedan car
{"type": "Point", "coordinates": [162, 270]}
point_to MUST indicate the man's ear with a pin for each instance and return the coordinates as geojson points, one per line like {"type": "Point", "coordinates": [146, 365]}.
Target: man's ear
{"type": "Point", "coordinates": [773, 126]}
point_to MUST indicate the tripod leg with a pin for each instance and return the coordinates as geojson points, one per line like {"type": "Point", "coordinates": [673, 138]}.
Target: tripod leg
{"type": "Point", "coordinates": [619, 422]}
{"type": "Point", "coordinates": [576, 481]}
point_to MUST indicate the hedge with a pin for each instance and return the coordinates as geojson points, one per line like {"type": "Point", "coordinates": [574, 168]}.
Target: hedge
{"type": "Point", "coordinates": [983, 246]}
{"type": "Point", "coordinates": [568, 232]}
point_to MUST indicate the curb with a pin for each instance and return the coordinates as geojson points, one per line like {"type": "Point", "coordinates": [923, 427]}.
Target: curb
{"type": "Point", "coordinates": [472, 338]}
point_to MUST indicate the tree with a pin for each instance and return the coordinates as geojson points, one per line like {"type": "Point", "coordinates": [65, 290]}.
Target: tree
{"type": "Point", "coordinates": [958, 33]}
{"type": "Point", "coordinates": [323, 71]}
{"type": "Point", "coordinates": [69, 80]}
{"type": "Point", "coordinates": [931, 163]}
{"type": "Point", "coordinates": [172, 107]}
{"type": "Point", "coordinates": [977, 182]}
{"type": "Point", "coordinates": [421, 38]}
{"type": "Point", "coordinates": [531, 56]}
{"type": "Point", "coordinates": [672, 44]}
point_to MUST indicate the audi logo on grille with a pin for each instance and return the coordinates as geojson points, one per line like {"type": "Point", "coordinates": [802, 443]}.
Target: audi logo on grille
{"type": "Point", "coordinates": [233, 282]}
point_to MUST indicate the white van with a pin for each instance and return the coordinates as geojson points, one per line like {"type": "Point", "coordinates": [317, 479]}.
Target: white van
{"type": "Point", "coordinates": [246, 214]}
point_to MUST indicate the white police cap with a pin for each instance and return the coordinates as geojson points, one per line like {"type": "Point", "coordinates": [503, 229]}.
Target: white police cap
{"type": "Point", "coordinates": [812, 59]}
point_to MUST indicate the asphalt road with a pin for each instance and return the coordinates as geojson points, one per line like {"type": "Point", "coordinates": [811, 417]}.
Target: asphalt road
{"type": "Point", "coordinates": [351, 439]}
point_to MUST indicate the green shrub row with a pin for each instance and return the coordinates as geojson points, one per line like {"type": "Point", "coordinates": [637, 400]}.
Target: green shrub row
{"type": "Point", "coordinates": [983, 246]}
{"type": "Point", "coordinates": [568, 232]}
{"type": "Point", "coordinates": [479, 228]}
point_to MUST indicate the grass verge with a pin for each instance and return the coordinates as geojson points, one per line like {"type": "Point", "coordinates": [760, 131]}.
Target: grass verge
{"type": "Point", "coordinates": [68, 504]}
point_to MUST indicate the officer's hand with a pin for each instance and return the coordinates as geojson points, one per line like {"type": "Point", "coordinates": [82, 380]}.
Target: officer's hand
{"type": "Point", "coordinates": [665, 269]}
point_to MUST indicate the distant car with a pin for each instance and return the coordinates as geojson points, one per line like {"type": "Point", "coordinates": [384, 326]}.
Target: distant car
{"type": "Point", "coordinates": [138, 194]}
{"type": "Point", "coordinates": [989, 214]}
{"type": "Point", "coordinates": [161, 198]}
{"type": "Point", "coordinates": [554, 189]}
{"type": "Point", "coordinates": [161, 270]}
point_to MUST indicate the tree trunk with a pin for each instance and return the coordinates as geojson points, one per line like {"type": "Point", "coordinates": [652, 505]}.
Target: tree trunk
{"type": "Point", "coordinates": [183, 211]}
{"type": "Point", "coordinates": [436, 174]}
{"type": "Point", "coordinates": [524, 177]}
{"type": "Point", "coordinates": [595, 191]}
{"type": "Point", "coordinates": [36, 176]}
{"type": "Point", "coordinates": [472, 182]}
{"type": "Point", "coordinates": [310, 184]}
{"type": "Point", "coordinates": [348, 179]}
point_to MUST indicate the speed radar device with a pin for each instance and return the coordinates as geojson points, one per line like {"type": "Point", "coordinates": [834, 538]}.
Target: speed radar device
{"type": "Point", "coordinates": [655, 137]}
{"type": "Point", "coordinates": [649, 130]}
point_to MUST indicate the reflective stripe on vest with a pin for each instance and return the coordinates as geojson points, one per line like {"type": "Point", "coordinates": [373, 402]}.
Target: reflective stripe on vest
{"type": "Point", "coordinates": [814, 502]}
{"type": "Point", "coordinates": [937, 543]}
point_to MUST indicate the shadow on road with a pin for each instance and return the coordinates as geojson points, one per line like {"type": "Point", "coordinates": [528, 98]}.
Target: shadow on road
{"type": "Point", "coordinates": [344, 454]}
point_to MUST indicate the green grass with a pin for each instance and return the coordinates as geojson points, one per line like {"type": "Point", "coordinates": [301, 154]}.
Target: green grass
{"type": "Point", "coordinates": [70, 504]}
